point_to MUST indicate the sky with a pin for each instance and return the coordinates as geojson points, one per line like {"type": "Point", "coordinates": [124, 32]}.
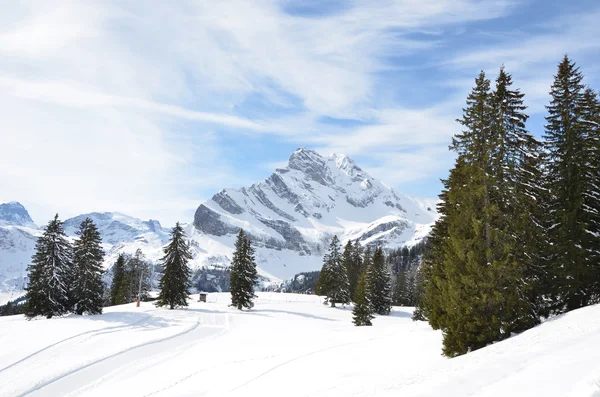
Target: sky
{"type": "Point", "coordinates": [150, 107]}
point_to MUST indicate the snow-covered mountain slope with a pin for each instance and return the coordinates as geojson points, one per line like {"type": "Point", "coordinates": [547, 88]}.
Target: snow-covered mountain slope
{"type": "Point", "coordinates": [14, 214]}
{"type": "Point", "coordinates": [120, 233]}
{"type": "Point", "coordinates": [288, 345]}
{"type": "Point", "coordinates": [292, 215]}
{"type": "Point", "coordinates": [18, 235]}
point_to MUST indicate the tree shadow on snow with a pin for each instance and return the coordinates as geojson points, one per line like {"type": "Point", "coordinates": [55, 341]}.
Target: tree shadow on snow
{"type": "Point", "coordinates": [132, 319]}
{"type": "Point", "coordinates": [305, 315]}
{"type": "Point", "coordinates": [400, 313]}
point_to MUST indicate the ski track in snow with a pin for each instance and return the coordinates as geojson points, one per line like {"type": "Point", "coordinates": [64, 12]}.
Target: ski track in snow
{"type": "Point", "coordinates": [91, 333]}
{"type": "Point", "coordinates": [296, 359]}
{"type": "Point", "coordinates": [110, 364]}
{"type": "Point", "coordinates": [289, 345]}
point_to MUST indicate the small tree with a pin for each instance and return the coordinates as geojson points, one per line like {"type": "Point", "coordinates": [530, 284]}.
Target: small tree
{"type": "Point", "coordinates": [88, 257]}
{"type": "Point", "coordinates": [243, 273]}
{"type": "Point", "coordinates": [175, 281]}
{"type": "Point", "coordinates": [362, 312]}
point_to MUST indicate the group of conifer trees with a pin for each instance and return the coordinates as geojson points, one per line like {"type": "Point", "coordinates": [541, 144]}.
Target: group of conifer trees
{"type": "Point", "coordinates": [518, 233]}
{"type": "Point", "coordinates": [243, 273]}
{"type": "Point", "coordinates": [131, 279]}
{"type": "Point", "coordinates": [65, 277]}
{"type": "Point", "coordinates": [354, 276]}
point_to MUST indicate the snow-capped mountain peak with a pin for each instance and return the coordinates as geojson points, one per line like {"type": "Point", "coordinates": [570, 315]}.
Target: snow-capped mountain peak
{"type": "Point", "coordinates": [14, 214]}
{"type": "Point", "coordinates": [292, 215]}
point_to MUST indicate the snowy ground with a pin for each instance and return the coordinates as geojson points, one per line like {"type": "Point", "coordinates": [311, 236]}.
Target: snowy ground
{"type": "Point", "coordinates": [288, 345]}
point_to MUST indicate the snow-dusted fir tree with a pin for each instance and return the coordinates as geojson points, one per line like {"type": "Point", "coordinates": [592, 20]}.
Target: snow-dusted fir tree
{"type": "Point", "coordinates": [573, 185]}
{"type": "Point", "coordinates": [379, 286]}
{"type": "Point", "coordinates": [362, 313]}
{"type": "Point", "coordinates": [175, 280]}
{"type": "Point", "coordinates": [243, 274]}
{"type": "Point", "coordinates": [88, 255]}
{"type": "Point", "coordinates": [333, 281]}
{"type": "Point", "coordinates": [117, 287]}
{"type": "Point", "coordinates": [50, 273]}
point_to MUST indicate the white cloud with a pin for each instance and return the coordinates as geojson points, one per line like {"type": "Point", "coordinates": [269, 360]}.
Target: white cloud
{"type": "Point", "coordinates": [92, 93]}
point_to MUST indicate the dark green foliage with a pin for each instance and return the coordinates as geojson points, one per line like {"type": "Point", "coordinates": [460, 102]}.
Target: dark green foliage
{"type": "Point", "coordinates": [243, 274]}
{"type": "Point", "coordinates": [117, 295]}
{"type": "Point", "coordinates": [88, 256]}
{"type": "Point", "coordinates": [302, 282]}
{"type": "Point", "coordinates": [403, 292]}
{"type": "Point", "coordinates": [50, 274]}
{"type": "Point", "coordinates": [406, 258]}
{"type": "Point", "coordinates": [571, 177]}
{"type": "Point", "coordinates": [213, 279]}
{"type": "Point", "coordinates": [352, 261]}
{"type": "Point", "coordinates": [379, 286]}
{"type": "Point", "coordinates": [362, 312]}
{"type": "Point", "coordinates": [479, 285]}
{"type": "Point", "coordinates": [175, 280]}
{"type": "Point", "coordinates": [127, 272]}
{"type": "Point", "coordinates": [333, 280]}
{"type": "Point", "coordinates": [12, 308]}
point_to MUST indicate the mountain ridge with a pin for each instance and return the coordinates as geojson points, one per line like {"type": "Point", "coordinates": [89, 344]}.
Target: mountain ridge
{"type": "Point", "coordinates": [290, 216]}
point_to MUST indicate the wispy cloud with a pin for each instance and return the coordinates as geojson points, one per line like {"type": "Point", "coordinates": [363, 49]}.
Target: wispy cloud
{"type": "Point", "coordinates": [149, 107]}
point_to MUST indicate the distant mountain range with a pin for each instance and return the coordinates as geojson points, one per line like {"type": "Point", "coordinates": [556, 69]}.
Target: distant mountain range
{"type": "Point", "coordinates": [290, 216]}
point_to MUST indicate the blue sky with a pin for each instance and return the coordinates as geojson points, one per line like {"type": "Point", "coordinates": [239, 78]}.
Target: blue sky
{"type": "Point", "coordinates": [148, 108]}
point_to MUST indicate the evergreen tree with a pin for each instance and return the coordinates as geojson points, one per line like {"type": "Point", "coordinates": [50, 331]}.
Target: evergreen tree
{"type": "Point", "coordinates": [50, 272]}
{"type": "Point", "coordinates": [88, 257]}
{"type": "Point", "coordinates": [137, 282]}
{"type": "Point", "coordinates": [572, 183]}
{"type": "Point", "coordinates": [379, 287]}
{"type": "Point", "coordinates": [335, 282]}
{"type": "Point", "coordinates": [243, 274]}
{"type": "Point", "coordinates": [400, 296]}
{"type": "Point", "coordinates": [351, 261]}
{"type": "Point", "coordinates": [367, 260]}
{"type": "Point", "coordinates": [175, 281]}
{"type": "Point", "coordinates": [362, 312]}
{"type": "Point", "coordinates": [117, 296]}
{"type": "Point", "coordinates": [516, 228]}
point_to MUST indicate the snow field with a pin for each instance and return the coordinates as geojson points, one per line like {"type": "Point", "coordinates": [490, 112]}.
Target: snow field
{"type": "Point", "coordinates": [287, 345]}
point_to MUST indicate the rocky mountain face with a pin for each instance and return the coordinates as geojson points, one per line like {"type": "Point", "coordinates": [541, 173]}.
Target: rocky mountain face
{"type": "Point", "coordinates": [291, 217]}
{"type": "Point", "coordinates": [14, 214]}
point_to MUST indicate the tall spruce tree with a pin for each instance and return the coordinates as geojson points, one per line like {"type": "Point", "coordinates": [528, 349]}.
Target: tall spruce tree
{"type": "Point", "coordinates": [590, 118]}
{"type": "Point", "coordinates": [572, 183]}
{"type": "Point", "coordinates": [352, 263]}
{"type": "Point", "coordinates": [88, 257]}
{"type": "Point", "coordinates": [517, 231]}
{"type": "Point", "coordinates": [379, 286]}
{"type": "Point", "coordinates": [48, 291]}
{"type": "Point", "coordinates": [243, 273]}
{"type": "Point", "coordinates": [175, 280]}
{"type": "Point", "coordinates": [362, 312]}
{"type": "Point", "coordinates": [117, 296]}
{"type": "Point", "coordinates": [333, 281]}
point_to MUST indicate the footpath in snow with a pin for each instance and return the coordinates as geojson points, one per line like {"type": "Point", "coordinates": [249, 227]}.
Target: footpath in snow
{"type": "Point", "coordinates": [287, 345]}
